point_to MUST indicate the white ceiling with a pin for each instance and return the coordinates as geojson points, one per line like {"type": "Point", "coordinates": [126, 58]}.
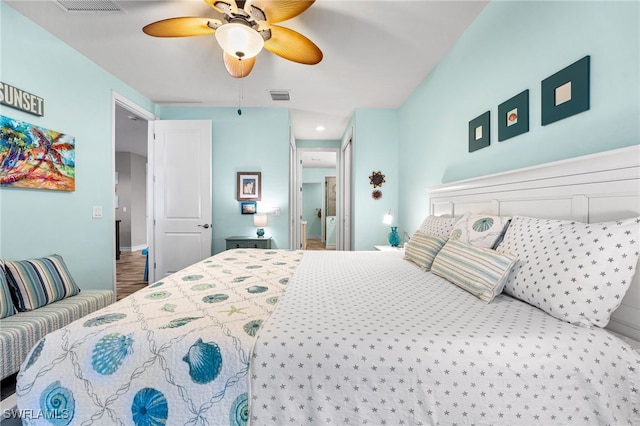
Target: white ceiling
{"type": "Point", "coordinates": [375, 55]}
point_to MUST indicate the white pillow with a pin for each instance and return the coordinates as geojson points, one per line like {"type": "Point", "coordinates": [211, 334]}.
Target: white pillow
{"type": "Point", "coordinates": [479, 230]}
{"type": "Point", "coordinates": [574, 271]}
{"type": "Point", "coordinates": [438, 226]}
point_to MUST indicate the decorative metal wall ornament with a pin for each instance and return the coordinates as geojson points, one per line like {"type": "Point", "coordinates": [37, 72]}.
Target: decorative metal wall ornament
{"type": "Point", "coordinates": [376, 179]}
{"type": "Point", "coordinates": [377, 194]}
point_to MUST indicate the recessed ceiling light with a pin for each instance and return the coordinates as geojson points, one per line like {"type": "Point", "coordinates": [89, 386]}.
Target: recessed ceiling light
{"type": "Point", "coordinates": [320, 128]}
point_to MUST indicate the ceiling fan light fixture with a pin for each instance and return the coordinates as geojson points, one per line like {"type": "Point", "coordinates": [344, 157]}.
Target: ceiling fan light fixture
{"type": "Point", "coordinates": [239, 40]}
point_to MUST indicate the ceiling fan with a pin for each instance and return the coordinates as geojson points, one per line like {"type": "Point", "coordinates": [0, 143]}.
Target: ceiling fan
{"type": "Point", "coordinates": [248, 27]}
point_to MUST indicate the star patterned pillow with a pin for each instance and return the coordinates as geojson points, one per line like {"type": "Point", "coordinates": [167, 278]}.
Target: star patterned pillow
{"type": "Point", "coordinates": [574, 271]}
{"type": "Point", "coordinates": [438, 226]}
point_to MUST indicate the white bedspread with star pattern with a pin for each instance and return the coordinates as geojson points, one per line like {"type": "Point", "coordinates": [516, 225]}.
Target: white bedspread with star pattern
{"type": "Point", "coordinates": [368, 338]}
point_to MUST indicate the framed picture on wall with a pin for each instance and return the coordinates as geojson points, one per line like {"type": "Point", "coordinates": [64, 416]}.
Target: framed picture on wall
{"type": "Point", "coordinates": [513, 116]}
{"type": "Point", "coordinates": [249, 186]}
{"type": "Point", "coordinates": [248, 207]}
{"type": "Point", "coordinates": [479, 132]}
{"type": "Point", "coordinates": [566, 92]}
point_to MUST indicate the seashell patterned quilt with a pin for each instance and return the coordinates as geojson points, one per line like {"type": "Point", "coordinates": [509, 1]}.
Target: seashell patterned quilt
{"type": "Point", "coordinates": [176, 352]}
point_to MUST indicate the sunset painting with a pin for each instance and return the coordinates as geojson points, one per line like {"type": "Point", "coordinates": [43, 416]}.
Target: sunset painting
{"type": "Point", "coordinates": [34, 157]}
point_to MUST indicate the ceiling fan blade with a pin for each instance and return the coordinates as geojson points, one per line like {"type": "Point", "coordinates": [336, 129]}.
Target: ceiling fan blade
{"type": "Point", "coordinates": [238, 68]}
{"type": "Point", "coordinates": [181, 27]}
{"type": "Point", "coordinates": [281, 10]}
{"type": "Point", "coordinates": [292, 45]}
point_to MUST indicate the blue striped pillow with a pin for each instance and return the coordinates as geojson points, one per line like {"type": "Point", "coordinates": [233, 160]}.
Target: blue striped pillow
{"type": "Point", "coordinates": [480, 271]}
{"type": "Point", "coordinates": [422, 249]}
{"type": "Point", "coordinates": [6, 305]}
{"type": "Point", "coordinates": [38, 282]}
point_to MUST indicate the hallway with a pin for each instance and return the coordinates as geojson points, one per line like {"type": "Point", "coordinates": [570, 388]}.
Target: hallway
{"type": "Point", "coordinates": [316, 244]}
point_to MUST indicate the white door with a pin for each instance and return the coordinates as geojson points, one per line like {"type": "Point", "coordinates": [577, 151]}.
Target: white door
{"type": "Point", "coordinates": [181, 195]}
{"type": "Point", "coordinates": [345, 232]}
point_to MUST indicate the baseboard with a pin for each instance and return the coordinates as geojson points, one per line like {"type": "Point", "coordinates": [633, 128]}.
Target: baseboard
{"type": "Point", "coordinates": [134, 248]}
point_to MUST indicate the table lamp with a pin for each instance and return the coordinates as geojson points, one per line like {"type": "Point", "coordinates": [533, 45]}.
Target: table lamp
{"type": "Point", "coordinates": [260, 221]}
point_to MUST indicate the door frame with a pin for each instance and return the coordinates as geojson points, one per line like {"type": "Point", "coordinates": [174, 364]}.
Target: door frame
{"type": "Point", "coordinates": [344, 208]}
{"type": "Point", "coordinates": [296, 177]}
{"type": "Point", "coordinates": [119, 100]}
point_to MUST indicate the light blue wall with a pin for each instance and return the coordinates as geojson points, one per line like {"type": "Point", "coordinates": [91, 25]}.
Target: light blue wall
{"type": "Point", "coordinates": [256, 141]}
{"type": "Point", "coordinates": [311, 201]}
{"type": "Point", "coordinates": [375, 149]}
{"type": "Point", "coordinates": [510, 47]}
{"type": "Point", "coordinates": [77, 95]}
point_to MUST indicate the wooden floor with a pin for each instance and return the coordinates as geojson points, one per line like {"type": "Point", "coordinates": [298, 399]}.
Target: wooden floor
{"type": "Point", "coordinates": [316, 244]}
{"type": "Point", "coordinates": [130, 273]}
{"type": "Point", "coordinates": [130, 269]}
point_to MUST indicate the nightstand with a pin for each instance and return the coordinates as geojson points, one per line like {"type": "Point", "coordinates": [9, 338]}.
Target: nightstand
{"type": "Point", "coordinates": [389, 248]}
{"type": "Point", "coordinates": [248, 242]}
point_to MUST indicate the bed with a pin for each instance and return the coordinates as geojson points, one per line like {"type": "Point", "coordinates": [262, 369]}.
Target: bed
{"type": "Point", "coordinates": [290, 337]}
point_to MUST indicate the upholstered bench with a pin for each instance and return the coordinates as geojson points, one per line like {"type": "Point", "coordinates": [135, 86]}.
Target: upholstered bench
{"type": "Point", "coordinates": [39, 296]}
{"type": "Point", "coordinates": [20, 332]}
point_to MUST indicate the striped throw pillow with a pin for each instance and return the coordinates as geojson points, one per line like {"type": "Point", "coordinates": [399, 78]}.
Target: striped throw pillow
{"type": "Point", "coordinates": [38, 282]}
{"type": "Point", "coordinates": [6, 305]}
{"type": "Point", "coordinates": [480, 271]}
{"type": "Point", "coordinates": [422, 249]}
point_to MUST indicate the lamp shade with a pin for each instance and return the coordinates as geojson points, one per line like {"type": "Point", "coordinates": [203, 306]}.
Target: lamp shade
{"type": "Point", "coordinates": [239, 40]}
{"type": "Point", "coordinates": [388, 218]}
{"type": "Point", "coordinates": [259, 220]}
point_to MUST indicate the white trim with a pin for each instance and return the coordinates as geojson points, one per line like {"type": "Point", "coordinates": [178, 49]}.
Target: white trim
{"type": "Point", "coordinates": [134, 248]}
{"type": "Point", "coordinates": [118, 99]}
{"type": "Point", "coordinates": [344, 207]}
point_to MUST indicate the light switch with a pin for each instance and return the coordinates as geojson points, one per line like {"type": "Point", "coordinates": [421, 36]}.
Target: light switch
{"type": "Point", "coordinates": [97, 212]}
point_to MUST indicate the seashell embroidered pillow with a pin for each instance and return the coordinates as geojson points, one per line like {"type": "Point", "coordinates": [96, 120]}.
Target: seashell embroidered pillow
{"type": "Point", "coordinates": [479, 230]}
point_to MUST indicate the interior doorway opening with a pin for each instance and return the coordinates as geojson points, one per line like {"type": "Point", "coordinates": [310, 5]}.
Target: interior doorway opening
{"type": "Point", "coordinates": [317, 172]}
{"type": "Point", "coordinates": [131, 195]}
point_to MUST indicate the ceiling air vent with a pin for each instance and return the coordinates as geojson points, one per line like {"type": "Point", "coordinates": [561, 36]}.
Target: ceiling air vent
{"type": "Point", "coordinates": [89, 7]}
{"type": "Point", "coordinates": [279, 95]}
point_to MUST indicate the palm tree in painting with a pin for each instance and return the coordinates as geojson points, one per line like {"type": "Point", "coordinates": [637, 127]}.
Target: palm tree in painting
{"type": "Point", "coordinates": [30, 154]}
{"type": "Point", "coordinates": [14, 145]}
{"type": "Point", "coordinates": [49, 151]}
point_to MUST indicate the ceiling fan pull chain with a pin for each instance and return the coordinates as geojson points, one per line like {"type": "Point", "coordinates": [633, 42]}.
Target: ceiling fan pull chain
{"type": "Point", "coordinates": [240, 89]}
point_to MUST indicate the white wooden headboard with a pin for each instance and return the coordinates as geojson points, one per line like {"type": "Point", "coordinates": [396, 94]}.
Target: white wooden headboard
{"type": "Point", "coordinates": [593, 188]}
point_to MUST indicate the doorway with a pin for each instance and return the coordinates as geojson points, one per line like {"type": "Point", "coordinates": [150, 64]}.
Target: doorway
{"type": "Point", "coordinates": [317, 173]}
{"type": "Point", "coordinates": [130, 159]}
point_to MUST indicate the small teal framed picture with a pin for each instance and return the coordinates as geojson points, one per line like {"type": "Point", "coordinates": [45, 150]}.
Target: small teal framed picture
{"type": "Point", "coordinates": [479, 134]}
{"type": "Point", "coordinates": [248, 207]}
{"type": "Point", "coordinates": [513, 116]}
{"type": "Point", "coordinates": [566, 92]}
